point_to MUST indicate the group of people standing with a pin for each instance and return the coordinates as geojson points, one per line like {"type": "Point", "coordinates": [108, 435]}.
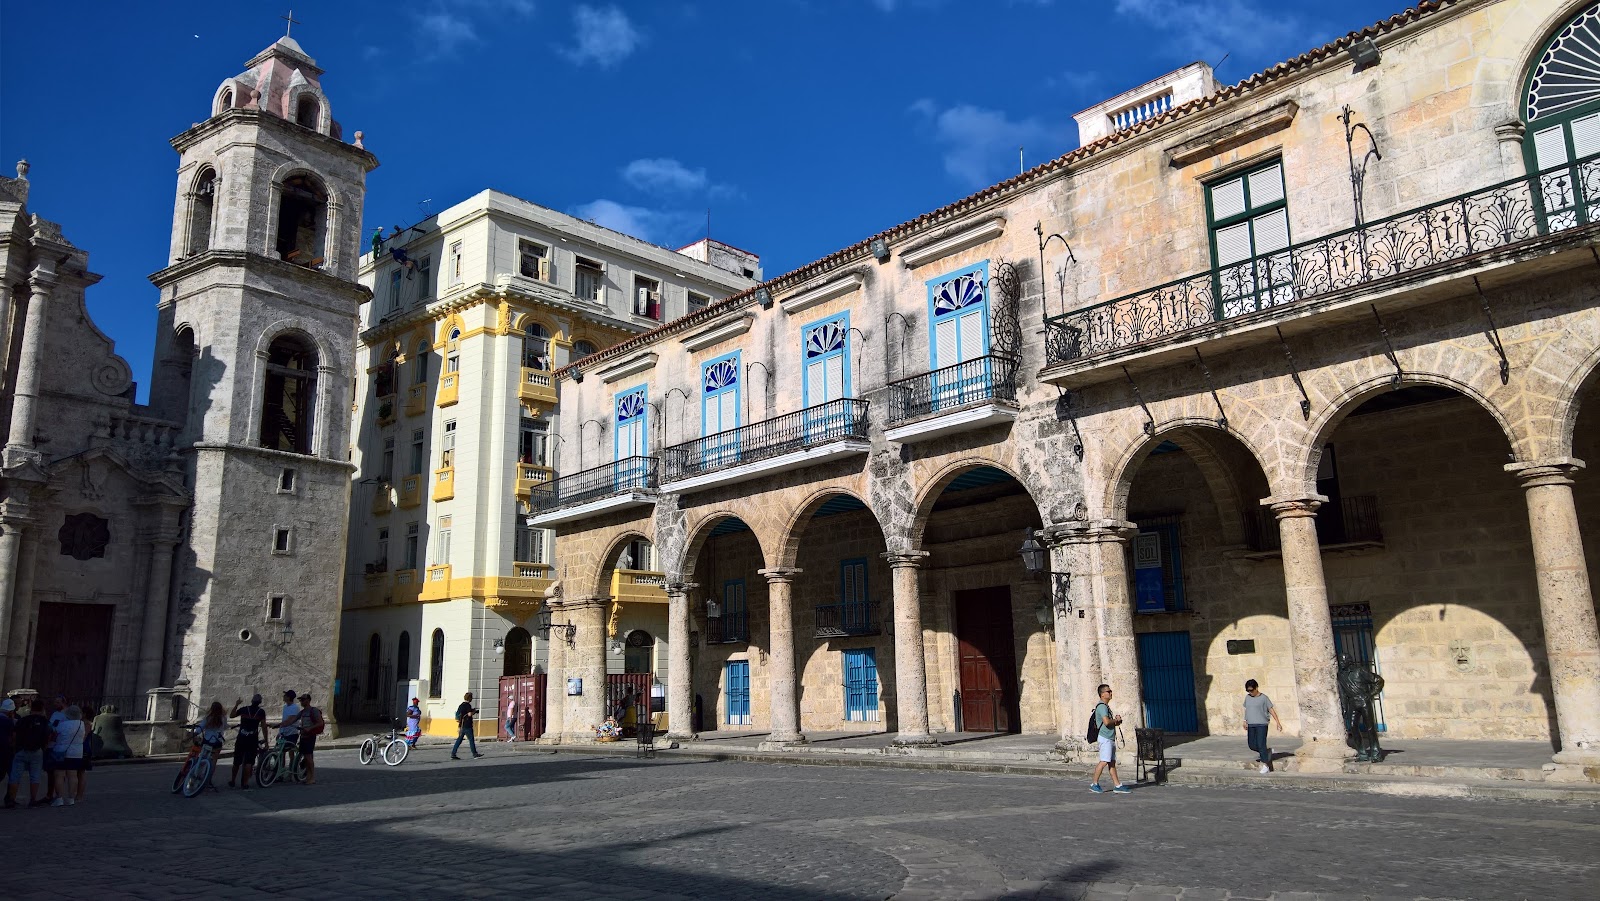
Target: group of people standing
{"type": "Point", "coordinates": [299, 723]}
{"type": "Point", "coordinates": [51, 751]}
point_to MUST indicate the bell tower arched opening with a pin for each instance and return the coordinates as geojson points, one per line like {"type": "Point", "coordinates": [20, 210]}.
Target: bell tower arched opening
{"type": "Point", "coordinates": [302, 221]}
{"type": "Point", "coordinates": [289, 398]}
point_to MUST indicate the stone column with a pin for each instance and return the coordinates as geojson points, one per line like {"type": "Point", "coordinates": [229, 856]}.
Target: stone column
{"type": "Point", "coordinates": [1566, 606]}
{"type": "Point", "coordinates": [910, 664]}
{"type": "Point", "coordinates": [1509, 137]}
{"type": "Point", "coordinates": [153, 635]}
{"type": "Point", "coordinates": [29, 365]}
{"type": "Point", "coordinates": [22, 609]}
{"type": "Point", "coordinates": [1119, 650]}
{"type": "Point", "coordinates": [785, 704]}
{"type": "Point", "coordinates": [1075, 548]}
{"type": "Point", "coordinates": [1310, 634]}
{"type": "Point", "coordinates": [680, 679]}
{"type": "Point", "coordinates": [585, 659]}
{"type": "Point", "coordinates": [15, 522]}
{"type": "Point", "coordinates": [555, 687]}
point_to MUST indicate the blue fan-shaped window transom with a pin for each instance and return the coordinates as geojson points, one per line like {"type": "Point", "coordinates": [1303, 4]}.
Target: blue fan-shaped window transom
{"type": "Point", "coordinates": [825, 338]}
{"type": "Point", "coordinates": [720, 375]}
{"type": "Point", "coordinates": [957, 294]}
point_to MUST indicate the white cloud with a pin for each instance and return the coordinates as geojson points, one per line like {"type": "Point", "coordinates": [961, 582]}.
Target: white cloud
{"type": "Point", "coordinates": [603, 36]}
{"type": "Point", "coordinates": [655, 226]}
{"type": "Point", "coordinates": [980, 145]}
{"type": "Point", "coordinates": [449, 25]}
{"type": "Point", "coordinates": [1207, 29]}
{"type": "Point", "coordinates": [664, 176]}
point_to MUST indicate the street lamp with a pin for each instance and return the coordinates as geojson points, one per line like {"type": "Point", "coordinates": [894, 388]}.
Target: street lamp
{"type": "Point", "coordinates": [543, 625]}
{"type": "Point", "coordinates": [1036, 560]}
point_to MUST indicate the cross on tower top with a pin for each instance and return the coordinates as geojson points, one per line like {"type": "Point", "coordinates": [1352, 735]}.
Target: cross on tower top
{"type": "Point", "coordinates": [290, 21]}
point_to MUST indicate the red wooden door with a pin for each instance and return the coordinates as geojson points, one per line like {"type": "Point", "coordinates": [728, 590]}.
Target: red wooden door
{"type": "Point", "coordinates": [71, 650]}
{"type": "Point", "coordinates": [987, 656]}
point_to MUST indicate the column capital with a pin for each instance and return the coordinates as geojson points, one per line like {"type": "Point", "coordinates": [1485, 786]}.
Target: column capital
{"type": "Point", "coordinates": [43, 278]}
{"type": "Point", "coordinates": [1291, 507]}
{"type": "Point", "coordinates": [1510, 132]}
{"type": "Point", "coordinates": [905, 559]}
{"type": "Point", "coordinates": [780, 573]}
{"type": "Point", "coordinates": [1088, 531]}
{"type": "Point", "coordinates": [672, 588]}
{"type": "Point", "coordinates": [1538, 473]}
{"type": "Point", "coordinates": [601, 602]}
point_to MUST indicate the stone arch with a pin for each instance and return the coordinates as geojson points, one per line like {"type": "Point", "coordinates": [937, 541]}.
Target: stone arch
{"type": "Point", "coordinates": [1322, 425]}
{"type": "Point", "coordinates": [1199, 437]}
{"type": "Point", "coordinates": [1527, 52]}
{"type": "Point", "coordinates": [929, 492]}
{"type": "Point", "coordinates": [299, 109]}
{"type": "Point", "coordinates": [700, 532]}
{"type": "Point", "coordinates": [202, 196]}
{"type": "Point", "coordinates": [794, 529]}
{"type": "Point", "coordinates": [1569, 403]}
{"type": "Point", "coordinates": [607, 562]}
{"type": "Point", "coordinates": [453, 322]}
{"type": "Point", "coordinates": [327, 363]}
{"type": "Point", "coordinates": [1209, 446]}
{"type": "Point", "coordinates": [230, 95]}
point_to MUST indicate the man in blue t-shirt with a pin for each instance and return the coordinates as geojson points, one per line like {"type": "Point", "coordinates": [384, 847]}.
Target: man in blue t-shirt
{"type": "Point", "coordinates": [1108, 744]}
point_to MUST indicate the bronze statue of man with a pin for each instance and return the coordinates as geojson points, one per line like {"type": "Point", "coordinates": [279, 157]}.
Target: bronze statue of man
{"type": "Point", "coordinates": [1359, 687]}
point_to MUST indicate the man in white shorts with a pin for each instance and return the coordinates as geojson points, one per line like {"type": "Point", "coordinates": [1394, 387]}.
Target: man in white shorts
{"type": "Point", "coordinates": [1108, 744]}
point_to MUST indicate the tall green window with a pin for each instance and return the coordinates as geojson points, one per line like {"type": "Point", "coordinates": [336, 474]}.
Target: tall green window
{"type": "Point", "coordinates": [1249, 219]}
{"type": "Point", "coordinates": [1562, 105]}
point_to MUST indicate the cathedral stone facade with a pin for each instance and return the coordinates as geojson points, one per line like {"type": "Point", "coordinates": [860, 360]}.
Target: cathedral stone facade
{"type": "Point", "coordinates": [195, 544]}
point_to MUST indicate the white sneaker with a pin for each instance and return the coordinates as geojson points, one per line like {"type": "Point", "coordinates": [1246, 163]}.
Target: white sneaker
{"type": "Point", "coordinates": [71, 801]}
{"type": "Point", "coordinates": [1265, 768]}
{"type": "Point", "coordinates": [59, 802]}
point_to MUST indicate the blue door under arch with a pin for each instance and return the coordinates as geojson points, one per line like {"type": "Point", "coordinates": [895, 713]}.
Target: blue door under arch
{"type": "Point", "coordinates": [1166, 677]}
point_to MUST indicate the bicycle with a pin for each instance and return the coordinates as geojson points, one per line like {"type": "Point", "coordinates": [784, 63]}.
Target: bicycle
{"type": "Point", "coordinates": [395, 746]}
{"type": "Point", "coordinates": [195, 774]}
{"type": "Point", "coordinates": [283, 760]}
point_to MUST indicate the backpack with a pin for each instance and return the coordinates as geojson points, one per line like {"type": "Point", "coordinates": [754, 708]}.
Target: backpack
{"type": "Point", "coordinates": [33, 733]}
{"type": "Point", "coordinates": [1094, 726]}
{"type": "Point", "coordinates": [317, 723]}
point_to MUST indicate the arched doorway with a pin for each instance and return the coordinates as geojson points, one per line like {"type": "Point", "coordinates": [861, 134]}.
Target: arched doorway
{"type": "Point", "coordinates": [843, 617]}
{"type": "Point", "coordinates": [1208, 607]}
{"type": "Point", "coordinates": [730, 675]}
{"type": "Point", "coordinates": [638, 655]}
{"type": "Point", "coordinates": [518, 653]}
{"type": "Point", "coordinates": [991, 652]}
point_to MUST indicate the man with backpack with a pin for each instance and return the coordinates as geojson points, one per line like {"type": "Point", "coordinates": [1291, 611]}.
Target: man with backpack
{"type": "Point", "coordinates": [1106, 737]}
{"type": "Point", "coordinates": [311, 726]}
{"type": "Point", "coordinates": [31, 735]}
{"type": "Point", "coordinates": [252, 722]}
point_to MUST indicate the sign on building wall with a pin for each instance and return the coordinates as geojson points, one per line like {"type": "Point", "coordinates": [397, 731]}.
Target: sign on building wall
{"type": "Point", "coordinates": [1150, 594]}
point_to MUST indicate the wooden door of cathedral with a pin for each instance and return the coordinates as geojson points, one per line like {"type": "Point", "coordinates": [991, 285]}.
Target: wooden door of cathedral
{"type": "Point", "coordinates": [988, 660]}
{"type": "Point", "coordinates": [71, 649]}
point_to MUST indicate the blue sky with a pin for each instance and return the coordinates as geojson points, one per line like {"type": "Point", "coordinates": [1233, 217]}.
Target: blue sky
{"type": "Point", "coordinates": [803, 125]}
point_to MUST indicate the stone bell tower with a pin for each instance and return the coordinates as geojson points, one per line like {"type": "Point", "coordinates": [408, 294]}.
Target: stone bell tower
{"type": "Point", "coordinates": [255, 355]}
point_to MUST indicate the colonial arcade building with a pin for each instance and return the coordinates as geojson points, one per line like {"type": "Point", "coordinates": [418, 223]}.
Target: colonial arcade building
{"type": "Point", "coordinates": [1297, 367]}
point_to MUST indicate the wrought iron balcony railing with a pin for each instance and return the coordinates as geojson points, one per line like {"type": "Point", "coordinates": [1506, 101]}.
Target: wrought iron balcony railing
{"type": "Point", "coordinates": [621, 477]}
{"type": "Point", "coordinates": [1523, 208]}
{"type": "Point", "coordinates": [802, 429]}
{"type": "Point", "coordinates": [992, 377]}
{"type": "Point", "coordinates": [1354, 520]}
{"type": "Point", "coordinates": [852, 618]}
{"type": "Point", "coordinates": [728, 629]}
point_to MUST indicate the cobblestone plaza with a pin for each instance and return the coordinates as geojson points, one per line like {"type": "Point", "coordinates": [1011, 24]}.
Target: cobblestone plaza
{"type": "Point", "coordinates": [532, 824]}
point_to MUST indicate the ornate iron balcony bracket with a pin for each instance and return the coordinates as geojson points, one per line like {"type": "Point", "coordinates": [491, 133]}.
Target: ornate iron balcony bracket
{"type": "Point", "coordinates": [1305, 399]}
{"type": "Point", "coordinates": [1399, 373]}
{"type": "Point", "coordinates": [1494, 333]}
{"type": "Point", "coordinates": [1064, 411]}
{"type": "Point", "coordinates": [1044, 241]}
{"type": "Point", "coordinates": [1149, 421]}
{"type": "Point", "coordinates": [1222, 415]}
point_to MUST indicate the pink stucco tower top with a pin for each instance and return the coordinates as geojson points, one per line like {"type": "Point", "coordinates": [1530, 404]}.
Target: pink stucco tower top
{"type": "Point", "coordinates": [283, 81]}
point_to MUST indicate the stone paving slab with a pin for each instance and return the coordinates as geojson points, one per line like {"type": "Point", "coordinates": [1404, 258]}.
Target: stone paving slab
{"type": "Point", "coordinates": [527, 822]}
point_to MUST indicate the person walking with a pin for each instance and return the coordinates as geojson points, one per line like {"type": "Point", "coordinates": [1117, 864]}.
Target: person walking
{"type": "Point", "coordinates": [1108, 744]}
{"type": "Point", "coordinates": [414, 721]}
{"type": "Point", "coordinates": [1257, 707]}
{"type": "Point", "coordinates": [311, 726]}
{"type": "Point", "coordinates": [32, 738]}
{"type": "Point", "coordinates": [66, 755]}
{"type": "Point", "coordinates": [252, 722]}
{"type": "Point", "coordinates": [465, 713]}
